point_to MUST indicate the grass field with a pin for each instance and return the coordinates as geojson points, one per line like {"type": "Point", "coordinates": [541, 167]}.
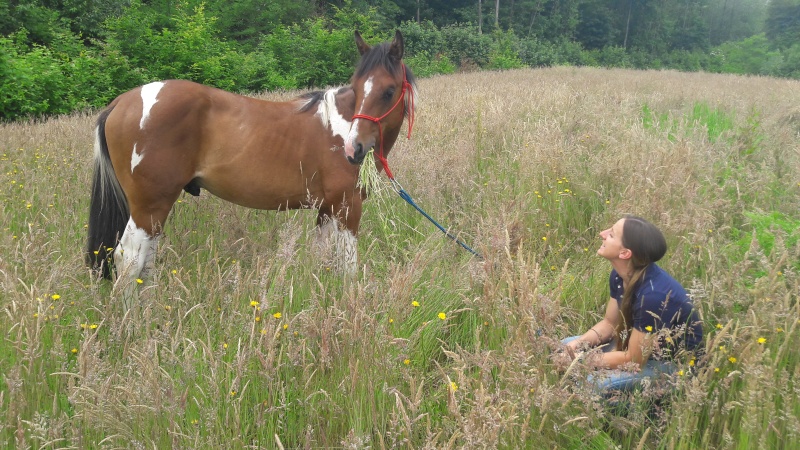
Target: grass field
{"type": "Point", "coordinates": [244, 339]}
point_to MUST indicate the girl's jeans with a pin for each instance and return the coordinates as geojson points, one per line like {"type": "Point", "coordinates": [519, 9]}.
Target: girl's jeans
{"type": "Point", "coordinates": [606, 381]}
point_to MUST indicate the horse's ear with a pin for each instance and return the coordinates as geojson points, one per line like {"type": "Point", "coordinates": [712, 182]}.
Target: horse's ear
{"type": "Point", "coordinates": [396, 48]}
{"type": "Point", "coordinates": [363, 47]}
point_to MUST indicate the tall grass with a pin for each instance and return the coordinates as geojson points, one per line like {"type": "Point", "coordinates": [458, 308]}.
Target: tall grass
{"type": "Point", "coordinates": [245, 338]}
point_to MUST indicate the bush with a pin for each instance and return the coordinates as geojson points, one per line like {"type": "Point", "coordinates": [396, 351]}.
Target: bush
{"type": "Point", "coordinates": [31, 81]}
{"type": "Point", "coordinates": [505, 51]}
{"type": "Point", "coordinates": [747, 56]}
{"type": "Point", "coordinates": [612, 56]}
{"type": "Point", "coordinates": [536, 53]}
{"type": "Point", "coordinates": [464, 46]}
{"type": "Point", "coordinates": [791, 63]}
{"type": "Point", "coordinates": [425, 65]}
{"type": "Point", "coordinates": [422, 38]}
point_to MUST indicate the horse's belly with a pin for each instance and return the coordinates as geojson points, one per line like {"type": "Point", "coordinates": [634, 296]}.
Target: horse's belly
{"type": "Point", "coordinates": [265, 197]}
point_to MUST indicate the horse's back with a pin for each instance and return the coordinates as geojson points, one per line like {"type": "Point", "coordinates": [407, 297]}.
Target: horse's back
{"type": "Point", "coordinates": [187, 135]}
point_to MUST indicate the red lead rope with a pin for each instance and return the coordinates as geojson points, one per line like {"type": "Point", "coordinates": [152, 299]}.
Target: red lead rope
{"type": "Point", "coordinates": [406, 89]}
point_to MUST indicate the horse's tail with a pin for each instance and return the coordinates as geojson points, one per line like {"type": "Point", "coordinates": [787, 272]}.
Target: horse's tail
{"type": "Point", "coordinates": [108, 210]}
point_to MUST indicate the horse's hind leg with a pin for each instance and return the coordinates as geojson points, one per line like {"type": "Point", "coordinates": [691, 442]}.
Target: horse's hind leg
{"type": "Point", "coordinates": [136, 251]}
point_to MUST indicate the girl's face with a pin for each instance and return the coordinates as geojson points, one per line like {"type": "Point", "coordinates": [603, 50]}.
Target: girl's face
{"type": "Point", "coordinates": [612, 247]}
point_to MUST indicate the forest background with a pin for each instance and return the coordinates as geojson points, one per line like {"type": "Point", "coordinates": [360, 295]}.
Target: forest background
{"type": "Point", "coordinates": [58, 56]}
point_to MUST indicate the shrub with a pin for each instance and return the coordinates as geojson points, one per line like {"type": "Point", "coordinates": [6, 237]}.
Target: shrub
{"type": "Point", "coordinates": [31, 81]}
{"type": "Point", "coordinates": [464, 45]}
{"type": "Point", "coordinates": [504, 53]}
{"type": "Point", "coordinates": [425, 65]}
{"type": "Point", "coordinates": [422, 37]}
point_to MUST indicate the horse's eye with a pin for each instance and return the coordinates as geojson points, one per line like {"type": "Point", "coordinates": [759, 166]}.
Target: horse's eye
{"type": "Point", "coordinates": [388, 94]}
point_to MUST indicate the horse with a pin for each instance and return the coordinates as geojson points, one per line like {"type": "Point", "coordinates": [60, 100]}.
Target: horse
{"type": "Point", "coordinates": [157, 140]}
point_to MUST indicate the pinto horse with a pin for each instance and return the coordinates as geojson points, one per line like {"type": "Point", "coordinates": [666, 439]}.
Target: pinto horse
{"type": "Point", "coordinates": [157, 140]}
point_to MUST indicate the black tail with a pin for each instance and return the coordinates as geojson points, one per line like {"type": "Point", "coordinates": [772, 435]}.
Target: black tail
{"type": "Point", "coordinates": [108, 210]}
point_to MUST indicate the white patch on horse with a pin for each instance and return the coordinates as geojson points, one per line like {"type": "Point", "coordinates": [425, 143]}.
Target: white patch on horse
{"type": "Point", "coordinates": [149, 98]}
{"type": "Point", "coordinates": [347, 251]}
{"type": "Point", "coordinates": [351, 137]}
{"type": "Point", "coordinates": [333, 241]}
{"type": "Point", "coordinates": [331, 117]}
{"type": "Point", "coordinates": [367, 91]}
{"type": "Point", "coordinates": [135, 254]}
{"type": "Point", "coordinates": [136, 158]}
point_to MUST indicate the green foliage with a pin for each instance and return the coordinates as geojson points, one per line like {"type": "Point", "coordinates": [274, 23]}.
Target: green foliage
{"type": "Point", "coordinates": [610, 57]}
{"type": "Point", "coordinates": [422, 37]}
{"type": "Point", "coordinates": [765, 227]}
{"type": "Point", "coordinates": [504, 53]}
{"type": "Point", "coordinates": [188, 49]}
{"type": "Point", "coordinates": [782, 26]}
{"type": "Point", "coordinates": [465, 47]}
{"type": "Point", "coordinates": [32, 83]}
{"type": "Point", "coordinates": [746, 56]}
{"type": "Point", "coordinates": [425, 65]}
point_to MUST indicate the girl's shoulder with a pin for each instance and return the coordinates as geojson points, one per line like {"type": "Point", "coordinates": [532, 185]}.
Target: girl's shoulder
{"type": "Point", "coordinates": [659, 281]}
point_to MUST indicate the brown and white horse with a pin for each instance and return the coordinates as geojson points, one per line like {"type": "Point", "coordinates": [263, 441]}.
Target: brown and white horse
{"type": "Point", "coordinates": [156, 140]}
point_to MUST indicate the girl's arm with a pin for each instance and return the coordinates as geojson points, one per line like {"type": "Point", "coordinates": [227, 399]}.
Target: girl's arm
{"type": "Point", "coordinates": [639, 348]}
{"type": "Point", "coordinates": [603, 331]}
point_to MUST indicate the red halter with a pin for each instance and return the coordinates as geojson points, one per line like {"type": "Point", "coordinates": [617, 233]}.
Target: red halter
{"type": "Point", "coordinates": [406, 88]}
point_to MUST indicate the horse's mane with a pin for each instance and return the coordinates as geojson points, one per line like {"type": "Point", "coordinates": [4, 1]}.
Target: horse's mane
{"type": "Point", "coordinates": [327, 98]}
{"type": "Point", "coordinates": [311, 99]}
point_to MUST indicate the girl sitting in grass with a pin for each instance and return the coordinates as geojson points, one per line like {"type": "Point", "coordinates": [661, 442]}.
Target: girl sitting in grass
{"type": "Point", "coordinates": [648, 318]}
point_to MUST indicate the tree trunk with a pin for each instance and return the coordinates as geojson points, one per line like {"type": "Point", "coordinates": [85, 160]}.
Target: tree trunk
{"type": "Point", "coordinates": [533, 16]}
{"type": "Point", "coordinates": [627, 25]}
{"type": "Point", "coordinates": [480, 16]}
{"type": "Point", "coordinates": [417, 11]}
{"type": "Point", "coordinates": [496, 13]}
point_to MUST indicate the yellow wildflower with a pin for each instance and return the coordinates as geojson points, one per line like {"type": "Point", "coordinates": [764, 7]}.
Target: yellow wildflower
{"type": "Point", "coordinates": [277, 315]}
{"type": "Point", "coordinates": [415, 304]}
{"type": "Point", "coordinates": [442, 316]}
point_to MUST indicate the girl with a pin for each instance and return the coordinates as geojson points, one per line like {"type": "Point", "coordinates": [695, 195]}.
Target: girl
{"type": "Point", "coordinates": [649, 316]}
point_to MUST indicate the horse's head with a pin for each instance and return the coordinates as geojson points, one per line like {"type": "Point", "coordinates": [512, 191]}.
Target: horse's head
{"type": "Point", "coordinates": [384, 92]}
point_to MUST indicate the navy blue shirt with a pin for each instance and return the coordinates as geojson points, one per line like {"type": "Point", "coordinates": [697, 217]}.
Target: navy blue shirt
{"type": "Point", "coordinates": [661, 302]}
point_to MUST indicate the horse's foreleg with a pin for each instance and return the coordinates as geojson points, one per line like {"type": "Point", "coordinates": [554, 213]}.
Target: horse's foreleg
{"type": "Point", "coordinates": [337, 227]}
{"type": "Point", "coordinates": [346, 238]}
{"type": "Point", "coordinates": [327, 228]}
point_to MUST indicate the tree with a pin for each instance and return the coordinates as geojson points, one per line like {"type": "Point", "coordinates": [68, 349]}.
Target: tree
{"type": "Point", "coordinates": [782, 26]}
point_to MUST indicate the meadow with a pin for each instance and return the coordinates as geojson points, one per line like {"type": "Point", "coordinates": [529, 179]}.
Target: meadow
{"type": "Point", "coordinates": [245, 338]}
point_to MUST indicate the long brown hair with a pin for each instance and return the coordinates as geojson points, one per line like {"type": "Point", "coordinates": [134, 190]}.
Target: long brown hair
{"type": "Point", "coordinates": [647, 245]}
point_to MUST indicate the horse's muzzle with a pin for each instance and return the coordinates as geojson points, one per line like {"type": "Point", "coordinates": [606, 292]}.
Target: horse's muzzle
{"type": "Point", "coordinates": [359, 153]}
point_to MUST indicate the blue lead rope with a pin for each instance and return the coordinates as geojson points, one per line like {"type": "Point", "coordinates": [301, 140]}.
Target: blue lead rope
{"type": "Point", "coordinates": [405, 196]}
